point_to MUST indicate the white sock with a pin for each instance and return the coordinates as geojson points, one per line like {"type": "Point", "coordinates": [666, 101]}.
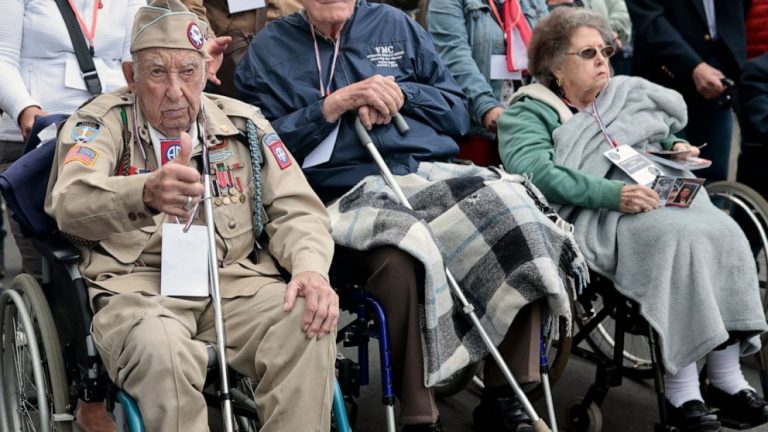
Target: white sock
{"type": "Point", "coordinates": [724, 370]}
{"type": "Point", "coordinates": [683, 386]}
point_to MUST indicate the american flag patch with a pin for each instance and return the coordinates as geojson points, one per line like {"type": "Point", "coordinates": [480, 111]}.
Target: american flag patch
{"type": "Point", "coordinates": [83, 154]}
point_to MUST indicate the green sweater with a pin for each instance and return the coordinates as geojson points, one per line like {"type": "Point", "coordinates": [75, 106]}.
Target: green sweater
{"type": "Point", "coordinates": [526, 147]}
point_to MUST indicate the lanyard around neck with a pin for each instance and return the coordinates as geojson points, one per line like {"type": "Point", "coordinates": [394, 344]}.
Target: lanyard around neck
{"type": "Point", "coordinates": [325, 90]}
{"type": "Point", "coordinates": [89, 34]}
{"type": "Point", "coordinates": [595, 115]}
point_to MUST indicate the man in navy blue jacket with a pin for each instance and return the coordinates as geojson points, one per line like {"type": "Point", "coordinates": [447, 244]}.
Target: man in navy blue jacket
{"type": "Point", "coordinates": [371, 60]}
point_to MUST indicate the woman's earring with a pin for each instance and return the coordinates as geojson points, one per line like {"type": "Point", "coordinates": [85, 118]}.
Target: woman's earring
{"type": "Point", "coordinates": [557, 81]}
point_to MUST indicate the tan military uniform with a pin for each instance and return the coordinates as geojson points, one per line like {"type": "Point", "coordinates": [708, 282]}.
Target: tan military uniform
{"type": "Point", "coordinates": [241, 26]}
{"type": "Point", "coordinates": [154, 346]}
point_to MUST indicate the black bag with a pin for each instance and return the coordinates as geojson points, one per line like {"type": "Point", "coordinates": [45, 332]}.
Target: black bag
{"type": "Point", "coordinates": [82, 52]}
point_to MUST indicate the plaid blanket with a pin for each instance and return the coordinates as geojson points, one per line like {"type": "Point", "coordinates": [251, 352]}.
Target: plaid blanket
{"type": "Point", "coordinates": [493, 230]}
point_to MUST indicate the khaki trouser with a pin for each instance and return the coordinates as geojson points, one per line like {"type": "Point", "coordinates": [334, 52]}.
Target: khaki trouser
{"type": "Point", "coordinates": [396, 280]}
{"type": "Point", "coordinates": [154, 347]}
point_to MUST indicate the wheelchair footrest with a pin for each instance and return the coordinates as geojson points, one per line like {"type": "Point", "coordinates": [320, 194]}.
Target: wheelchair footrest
{"type": "Point", "coordinates": [735, 424]}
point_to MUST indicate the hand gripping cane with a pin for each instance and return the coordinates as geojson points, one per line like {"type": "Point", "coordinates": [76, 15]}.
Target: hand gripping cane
{"type": "Point", "coordinates": [213, 275]}
{"type": "Point", "coordinates": [466, 307]}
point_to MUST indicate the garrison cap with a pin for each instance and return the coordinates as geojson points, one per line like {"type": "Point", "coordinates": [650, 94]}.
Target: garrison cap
{"type": "Point", "coordinates": [167, 24]}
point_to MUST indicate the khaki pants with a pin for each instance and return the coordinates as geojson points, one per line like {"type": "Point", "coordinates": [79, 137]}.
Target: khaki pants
{"type": "Point", "coordinates": [154, 347]}
{"type": "Point", "coordinates": [396, 279]}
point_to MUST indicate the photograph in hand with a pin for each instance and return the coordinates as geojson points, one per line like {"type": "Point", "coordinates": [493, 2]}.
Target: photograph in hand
{"type": "Point", "coordinates": [676, 191]}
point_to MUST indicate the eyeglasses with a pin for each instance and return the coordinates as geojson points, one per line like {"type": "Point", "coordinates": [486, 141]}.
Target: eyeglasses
{"type": "Point", "coordinates": [590, 53]}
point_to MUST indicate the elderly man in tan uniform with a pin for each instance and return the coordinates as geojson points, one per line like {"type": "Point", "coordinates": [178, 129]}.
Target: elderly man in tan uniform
{"type": "Point", "coordinates": [117, 189]}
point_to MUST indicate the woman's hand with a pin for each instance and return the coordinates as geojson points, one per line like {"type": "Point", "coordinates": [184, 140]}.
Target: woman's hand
{"type": "Point", "coordinates": [490, 117]}
{"type": "Point", "coordinates": [684, 146]}
{"type": "Point", "coordinates": [637, 198]}
{"type": "Point", "coordinates": [27, 119]}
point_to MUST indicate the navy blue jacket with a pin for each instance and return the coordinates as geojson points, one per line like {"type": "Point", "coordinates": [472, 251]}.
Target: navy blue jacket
{"type": "Point", "coordinates": [279, 75]}
{"type": "Point", "coordinates": [672, 37]}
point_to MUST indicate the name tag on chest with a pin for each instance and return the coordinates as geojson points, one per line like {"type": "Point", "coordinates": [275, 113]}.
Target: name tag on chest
{"type": "Point", "coordinates": [236, 6]}
{"type": "Point", "coordinates": [638, 167]}
{"type": "Point", "coordinates": [184, 261]}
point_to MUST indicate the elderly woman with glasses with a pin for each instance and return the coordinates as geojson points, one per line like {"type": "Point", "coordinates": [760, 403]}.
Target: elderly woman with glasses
{"type": "Point", "coordinates": [690, 269]}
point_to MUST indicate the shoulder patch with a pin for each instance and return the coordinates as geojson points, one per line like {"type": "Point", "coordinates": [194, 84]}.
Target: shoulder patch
{"type": "Point", "coordinates": [83, 154]}
{"type": "Point", "coordinates": [85, 131]}
{"type": "Point", "coordinates": [276, 146]}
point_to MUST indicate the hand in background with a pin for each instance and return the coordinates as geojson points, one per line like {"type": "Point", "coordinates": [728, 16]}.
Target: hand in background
{"type": "Point", "coordinates": [215, 53]}
{"type": "Point", "coordinates": [708, 81]}
{"type": "Point", "coordinates": [491, 117]}
{"type": "Point", "coordinates": [27, 119]}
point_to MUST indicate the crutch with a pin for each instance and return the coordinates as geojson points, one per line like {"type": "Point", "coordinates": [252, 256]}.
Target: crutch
{"type": "Point", "coordinates": [466, 307]}
{"type": "Point", "coordinates": [213, 275]}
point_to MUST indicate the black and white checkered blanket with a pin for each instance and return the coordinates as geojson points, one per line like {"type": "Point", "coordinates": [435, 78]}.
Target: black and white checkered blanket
{"type": "Point", "coordinates": [493, 230]}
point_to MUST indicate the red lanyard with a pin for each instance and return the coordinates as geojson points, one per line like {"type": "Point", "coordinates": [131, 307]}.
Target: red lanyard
{"type": "Point", "coordinates": [89, 35]}
{"type": "Point", "coordinates": [513, 20]}
{"type": "Point", "coordinates": [325, 90]}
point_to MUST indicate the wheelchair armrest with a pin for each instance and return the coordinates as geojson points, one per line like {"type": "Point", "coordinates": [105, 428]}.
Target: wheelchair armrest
{"type": "Point", "coordinates": [56, 249]}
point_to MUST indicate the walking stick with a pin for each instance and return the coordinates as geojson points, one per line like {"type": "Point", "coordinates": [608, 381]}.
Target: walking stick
{"type": "Point", "coordinates": [213, 275]}
{"type": "Point", "coordinates": [466, 307]}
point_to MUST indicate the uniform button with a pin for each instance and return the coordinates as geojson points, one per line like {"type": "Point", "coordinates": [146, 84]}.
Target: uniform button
{"type": "Point", "coordinates": [232, 224]}
{"type": "Point", "coordinates": [707, 37]}
{"type": "Point", "coordinates": [132, 216]}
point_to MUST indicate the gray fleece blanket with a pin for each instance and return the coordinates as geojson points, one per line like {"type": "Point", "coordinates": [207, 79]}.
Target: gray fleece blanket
{"type": "Point", "coordinates": [493, 230]}
{"type": "Point", "coordinates": [691, 270]}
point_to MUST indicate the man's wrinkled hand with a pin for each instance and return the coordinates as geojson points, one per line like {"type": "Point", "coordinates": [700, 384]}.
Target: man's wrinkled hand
{"type": "Point", "coordinates": [175, 185]}
{"type": "Point", "coordinates": [378, 92]}
{"type": "Point", "coordinates": [321, 312]}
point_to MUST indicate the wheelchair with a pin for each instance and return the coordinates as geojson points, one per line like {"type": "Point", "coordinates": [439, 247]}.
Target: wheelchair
{"type": "Point", "coordinates": [622, 344]}
{"type": "Point", "coordinates": [48, 359]}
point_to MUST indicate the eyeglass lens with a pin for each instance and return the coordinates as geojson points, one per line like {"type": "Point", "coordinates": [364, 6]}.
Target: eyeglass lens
{"type": "Point", "coordinates": [590, 53]}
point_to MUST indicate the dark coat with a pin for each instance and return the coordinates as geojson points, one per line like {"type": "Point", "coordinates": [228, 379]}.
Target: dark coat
{"type": "Point", "coordinates": [672, 37]}
{"type": "Point", "coordinates": [754, 94]}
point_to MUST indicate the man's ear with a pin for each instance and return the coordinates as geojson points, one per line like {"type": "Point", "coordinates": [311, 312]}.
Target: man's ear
{"type": "Point", "coordinates": [129, 78]}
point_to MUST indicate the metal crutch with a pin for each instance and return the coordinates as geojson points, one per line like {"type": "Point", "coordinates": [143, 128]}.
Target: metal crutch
{"type": "Point", "coordinates": [466, 307]}
{"type": "Point", "coordinates": [213, 275]}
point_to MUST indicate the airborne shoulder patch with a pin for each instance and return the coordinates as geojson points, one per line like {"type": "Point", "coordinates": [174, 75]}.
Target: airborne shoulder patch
{"type": "Point", "coordinates": [277, 148]}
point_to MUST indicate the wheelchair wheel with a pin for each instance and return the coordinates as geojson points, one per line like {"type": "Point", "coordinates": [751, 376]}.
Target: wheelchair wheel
{"type": "Point", "coordinates": [750, 210]}
{"type": "Point", "coordinates": [244, 406]}
{"type": "Point", "coordinates": [34, 381]}
{"type": "Point", "coordinates": [636, 362]}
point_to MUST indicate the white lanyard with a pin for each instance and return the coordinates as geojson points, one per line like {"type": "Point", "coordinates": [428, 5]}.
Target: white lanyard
{"type": "Point", "coordinates": [325, 90]}
{"type": "Point", "coordinates": [595, 115]}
